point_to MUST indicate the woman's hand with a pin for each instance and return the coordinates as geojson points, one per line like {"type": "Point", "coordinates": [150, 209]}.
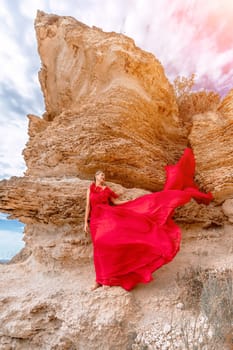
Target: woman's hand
{"type": "Point", "coordinates": [86, 228]}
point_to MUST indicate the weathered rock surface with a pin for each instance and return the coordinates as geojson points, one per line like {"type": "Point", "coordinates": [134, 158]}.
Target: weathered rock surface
{"type": "Point", "coordinates": [43, 307]}
{"type": "Point", "coordinates": [108, 105]}
{"type": "Point", "coordinates": [228, 209]}
{"type": "Point", "coordinates": [57, 317]}
{"type": "Point", "coordinates": [211, 139]}
{"type": "Point", "coordinates": [53, 211]}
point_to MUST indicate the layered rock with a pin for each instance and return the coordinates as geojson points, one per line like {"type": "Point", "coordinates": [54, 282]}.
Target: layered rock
{"type": "Point", "coordinates": [108, 104]}
{"type": "Point", "coordinates": [52, 210]}
{"type": "Point", "coordinates": [211, 139]}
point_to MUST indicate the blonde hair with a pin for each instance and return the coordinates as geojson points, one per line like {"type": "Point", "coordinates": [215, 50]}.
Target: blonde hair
{"type": "Point", "coordinates": [97, 173]}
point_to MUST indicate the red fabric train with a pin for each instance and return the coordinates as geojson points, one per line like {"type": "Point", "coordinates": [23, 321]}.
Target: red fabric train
{"type": "Point", "coordinates": [133, 239]}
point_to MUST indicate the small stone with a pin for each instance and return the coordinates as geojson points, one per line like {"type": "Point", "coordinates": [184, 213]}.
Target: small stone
{"type": "Point", "coordinates": [180, 306]}
{"type": "Point", "coordinates": [210, 333]}
{"type": "Point", "coordinates": [150, 347]}
{"type": "Point", "coordinates": [167, 328]}
{"type": "Point", "coordinates": [200, 340]}
{"type": "Point", "coordinates": [166, 346]}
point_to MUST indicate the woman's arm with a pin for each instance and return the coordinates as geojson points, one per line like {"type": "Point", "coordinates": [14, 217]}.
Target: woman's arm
{"type": "Point", "coordinates": [116, 201]}
{"type": "Point", "coordinates": [114, 197]}
{"type": "Point", "coordinates": [87, 212]}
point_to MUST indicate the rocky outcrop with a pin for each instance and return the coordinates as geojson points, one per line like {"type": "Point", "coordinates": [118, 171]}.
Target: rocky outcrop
{"type": "Point", "coordinates": [53, 211]}
{"type": "Point", "coordinates": [109, 106]}
{"type": "Point", "coordinates": [211, 139]}
{"type": "Point", "coordinates": [58, 320]}
{"type": "Point", "coordinates": [65, 323]}
{"type": "Point", "coordinates": [42, 307]}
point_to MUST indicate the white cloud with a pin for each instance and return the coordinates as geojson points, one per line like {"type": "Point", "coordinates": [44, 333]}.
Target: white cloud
{"type": "Point", "coordinates": [13, 136]}
{"type": "Point", "coordinates": [13, 59]}
{"type": "Point", "coordinates": [28, 8]}
{"type": "Point", "coordinates": [3, 216]}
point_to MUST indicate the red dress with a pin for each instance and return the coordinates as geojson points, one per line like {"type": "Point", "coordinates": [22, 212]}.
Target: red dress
{"type": "Point", "coordinates": [133, 239]}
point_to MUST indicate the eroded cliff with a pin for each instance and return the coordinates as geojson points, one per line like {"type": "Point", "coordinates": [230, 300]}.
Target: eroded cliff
{"type": "Point", "coordinates": [109, 106]}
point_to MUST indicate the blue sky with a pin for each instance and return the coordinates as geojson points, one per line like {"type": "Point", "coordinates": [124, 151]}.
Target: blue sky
{"type": "Point", "coordinates": [186, 36]}
{"type": "Point", "coordinates": [10, 237]}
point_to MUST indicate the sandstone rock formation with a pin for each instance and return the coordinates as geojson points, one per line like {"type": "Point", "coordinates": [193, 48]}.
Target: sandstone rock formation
{"type": "Point", "coordinates": [67, 321]}
{"type": "Point", "coordinates": [53, 211]}
{"type": "Point", "coordinates": [108, 105]}
{"type": "Point", "coordinates": [211, 139]}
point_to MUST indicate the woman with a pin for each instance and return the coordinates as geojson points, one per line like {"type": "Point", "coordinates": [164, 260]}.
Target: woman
{"type": "Point", "coordinates": [98, 193]}
{"type": "Point", "coordinates": [133, 239]}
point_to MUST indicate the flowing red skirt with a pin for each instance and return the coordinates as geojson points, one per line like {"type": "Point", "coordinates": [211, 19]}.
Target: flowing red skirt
{"type": "Point", "coordinates": [132, 240]}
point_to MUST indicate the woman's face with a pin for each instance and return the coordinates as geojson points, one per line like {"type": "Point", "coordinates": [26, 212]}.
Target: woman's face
{"type": "Point", "coordinates": [100, 177]}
